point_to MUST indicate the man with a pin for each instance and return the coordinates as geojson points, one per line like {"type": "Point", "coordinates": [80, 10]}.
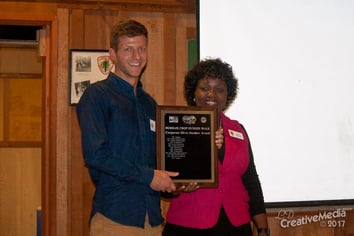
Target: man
{"type": "Point", "coordinates": [117, 121]}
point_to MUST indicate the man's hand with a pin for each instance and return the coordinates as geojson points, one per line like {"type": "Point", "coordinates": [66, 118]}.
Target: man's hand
{"type": "Point", "coordinates": [162, 181]}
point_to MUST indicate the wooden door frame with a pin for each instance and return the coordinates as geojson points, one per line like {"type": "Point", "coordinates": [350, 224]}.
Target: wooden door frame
{"type": "Point", "coordinates": [48, 175]}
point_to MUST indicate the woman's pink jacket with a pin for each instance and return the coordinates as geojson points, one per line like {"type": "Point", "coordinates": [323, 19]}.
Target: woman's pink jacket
{"type": "Point", "coordinates": [200, 209]}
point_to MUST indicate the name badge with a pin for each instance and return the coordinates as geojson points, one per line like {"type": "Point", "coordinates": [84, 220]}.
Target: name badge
{"type": "Point", "coordinates": [235, 134]}
{"type": "Point", "coordinates": [152, 125]}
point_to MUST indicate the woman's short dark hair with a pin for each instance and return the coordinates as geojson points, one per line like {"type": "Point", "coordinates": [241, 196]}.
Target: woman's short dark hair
{"type": "Point", "coordinates": [130, 28]}
{"type": "Point", "coordinates": [210, 68]}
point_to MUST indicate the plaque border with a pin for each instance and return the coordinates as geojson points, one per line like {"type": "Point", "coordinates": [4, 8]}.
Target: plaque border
{"type": "Point", "coordinates": [212, 182]}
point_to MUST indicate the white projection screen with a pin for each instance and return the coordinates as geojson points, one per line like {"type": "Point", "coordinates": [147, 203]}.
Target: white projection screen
{"type": "Point", "coordinates": [295, 63]}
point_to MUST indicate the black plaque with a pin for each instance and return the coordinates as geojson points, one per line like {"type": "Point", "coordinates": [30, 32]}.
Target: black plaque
{"type": "Point", "coordinates": [186, 143]}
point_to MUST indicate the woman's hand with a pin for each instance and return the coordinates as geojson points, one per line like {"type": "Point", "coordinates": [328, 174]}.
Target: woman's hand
{"type": "Point", "coordinates": [219, 138]}
{"type": "Point", "coordinates": [191, 187]}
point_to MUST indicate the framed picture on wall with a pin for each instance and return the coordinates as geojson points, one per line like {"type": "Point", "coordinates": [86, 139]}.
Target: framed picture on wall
{"type": "Point", "coordinates": [87, 67]}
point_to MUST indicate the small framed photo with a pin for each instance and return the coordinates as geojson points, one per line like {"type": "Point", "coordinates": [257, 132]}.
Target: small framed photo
{"type": "Point", "coordinates": [87, 67]}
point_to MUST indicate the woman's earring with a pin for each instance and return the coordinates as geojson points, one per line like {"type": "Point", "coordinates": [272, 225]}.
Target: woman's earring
{"type": "Point", "coordinates": [193, 99]}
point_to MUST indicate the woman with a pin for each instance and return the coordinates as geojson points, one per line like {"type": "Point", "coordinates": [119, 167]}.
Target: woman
{"type": "Point", "coordinates": [238, 199]}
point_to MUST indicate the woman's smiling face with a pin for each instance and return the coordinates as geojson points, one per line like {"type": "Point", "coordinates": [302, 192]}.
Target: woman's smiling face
{"type": "Point", "coordinates": [211, 92]}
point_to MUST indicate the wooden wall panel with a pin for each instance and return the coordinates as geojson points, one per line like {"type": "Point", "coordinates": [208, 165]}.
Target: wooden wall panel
{"type": "Point", "coordinates": [24, 109]}
{"type": "Point", "coordinates": [20, 60]}
{"type": "Point", "coordinates": [74, 27]}
{"type": "Point", "coordinates": [169, 59]}
{"type": "Point", "coordinates": [153, 78]}
{"type": "Point", "coordinates": [187, 24]}
{"type": "Point", "coordinates": [20, 190]}
{"type": "Point", "coordinates": [97, 27]}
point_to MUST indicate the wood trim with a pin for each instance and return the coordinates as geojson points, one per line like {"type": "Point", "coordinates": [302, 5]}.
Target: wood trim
{"type": "Point", "coordinates": [18, 144]}
{"type": "Point", "coordinates": [76, 198]}
{"type": "Point", "coordinates": [6, 110]}
{"type": "Point", "coordinates": [17, 44]}
{"type": "Point", "coordinates": [191, 33]}
{"type": "Point", "coordinates": [20, 76]}
{"type": "Point", "coordinates": [176, 6]}
{"type": "Point", "coordinates": [27, 13]}
{"type": "Point", "coordinates": [79, 216]}
{"type": "Point", "coordinates": [170, 59]}
{"type": "Point", "coordinates": [63, 125]}
{"type": "Point", "coordinates": [49, 157]}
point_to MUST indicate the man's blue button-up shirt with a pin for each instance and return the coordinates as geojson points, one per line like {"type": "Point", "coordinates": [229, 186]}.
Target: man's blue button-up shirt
{"type": "Point", "coordinates": [119, 148]}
